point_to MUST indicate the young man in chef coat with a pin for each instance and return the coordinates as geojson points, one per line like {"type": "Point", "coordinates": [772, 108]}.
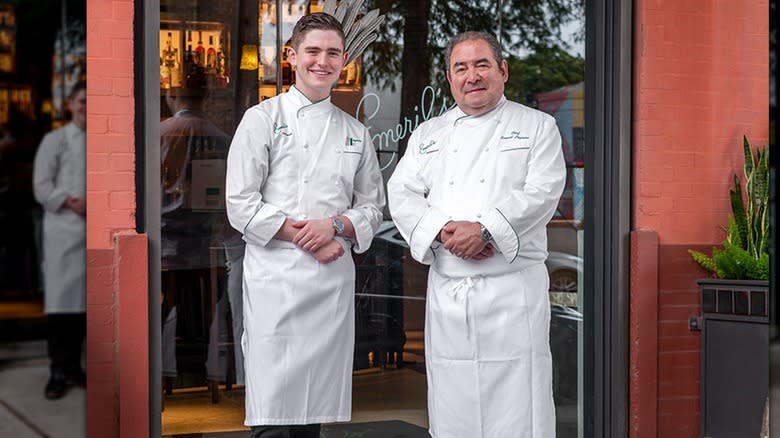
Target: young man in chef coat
{"type": "Point", "coordinates": [472, 196]}
{"type": "Point", "coordinates": [303, 187]}
{"type": "Point", "coordinates": [59, 185]}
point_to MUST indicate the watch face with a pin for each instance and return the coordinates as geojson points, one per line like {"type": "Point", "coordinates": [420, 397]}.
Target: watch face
{"type": "Point", "coordinates": [338, 225]}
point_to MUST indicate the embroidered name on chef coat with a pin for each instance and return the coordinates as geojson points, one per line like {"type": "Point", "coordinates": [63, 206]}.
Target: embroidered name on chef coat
{"type": "Point", "coordinates": [514, 141]}
{"type": "Point", "coordinates": [353, 145]}
{"type": "Point", "coordinates": [428, 148]}
{"type": "Point", "coordinates": [282, 128]}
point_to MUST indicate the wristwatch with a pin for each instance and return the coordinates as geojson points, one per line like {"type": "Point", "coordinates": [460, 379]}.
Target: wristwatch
{"type": "Point", "coordinates": [338, 225]}
{"type": "Point", "coordinates": [485, 233]}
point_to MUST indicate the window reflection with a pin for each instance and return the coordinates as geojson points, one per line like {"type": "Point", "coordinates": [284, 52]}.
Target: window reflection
{"type": "Point", "coordinates": [205, 87]}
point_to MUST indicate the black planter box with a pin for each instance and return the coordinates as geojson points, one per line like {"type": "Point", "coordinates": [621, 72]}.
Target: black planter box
{"type": "Point", "coordinates": [734, 357]}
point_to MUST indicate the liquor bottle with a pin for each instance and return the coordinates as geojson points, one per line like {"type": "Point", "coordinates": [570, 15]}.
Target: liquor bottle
{"type": "Point", "coordinates": [287, 73]}
{"type": "Point", "coordinates": [165, 75]}
{"type": "Point", "coordinates": [200, 51]}
{"type": "Point", "coordinates": [225, 72]}
{"type": "Point", "coordinates": [211, 55]}
{"type": "Point", "coordinates": [169, 53]}
{"type": "Point", "coordinates": [176, 71]}
{"type": "Point", "coordinates": [189, 61]}
{"type": "Point", "coordinates": [221, 78]}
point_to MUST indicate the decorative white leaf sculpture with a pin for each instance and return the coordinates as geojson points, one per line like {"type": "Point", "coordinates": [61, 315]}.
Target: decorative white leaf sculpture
{"type": "Point", "coordinates": [358, 34]}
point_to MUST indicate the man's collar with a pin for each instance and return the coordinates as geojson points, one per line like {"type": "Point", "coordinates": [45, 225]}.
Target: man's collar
{"type": "Point", "coordinates": [303, 99]}
{"type": "Point", "coordinates": [491, 114]}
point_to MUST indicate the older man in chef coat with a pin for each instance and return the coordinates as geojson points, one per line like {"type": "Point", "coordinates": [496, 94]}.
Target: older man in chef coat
{"type": "Point", "coordinates": [472, 196]}
{"type": "Point", "coordinates": [303, 187]}
{"type": "Point", "coordinates": [59, 185]}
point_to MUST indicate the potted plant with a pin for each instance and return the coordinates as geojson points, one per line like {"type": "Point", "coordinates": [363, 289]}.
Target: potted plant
{"type": "Point", "coordinates": [735, 310]}
{"type": "Point", "coordinates": [745, 253]}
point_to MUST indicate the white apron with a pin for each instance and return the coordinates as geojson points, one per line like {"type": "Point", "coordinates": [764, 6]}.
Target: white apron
{"type": "Point", "coordinates": [487, 353]}
{"type": "Point", "coordinates": [487, 322]}
{"type": "Point", "coordinates": [291, 158]}
{"type": "Point", "coordinates": [59, 172]}
{"type": "Point", "coordinates": [299, 335]}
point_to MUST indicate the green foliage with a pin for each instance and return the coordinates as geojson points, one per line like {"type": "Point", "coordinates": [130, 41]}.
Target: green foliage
{"type": "Point", "coordinates": [745, 253]}
{"type": "Point", "coordinates": [546, 68]}
{"type": "Point", "coordinates": [525, 24]}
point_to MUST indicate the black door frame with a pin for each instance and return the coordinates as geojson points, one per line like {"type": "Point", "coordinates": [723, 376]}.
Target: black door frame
{"type": "Point", "coordinates": [608, 86]}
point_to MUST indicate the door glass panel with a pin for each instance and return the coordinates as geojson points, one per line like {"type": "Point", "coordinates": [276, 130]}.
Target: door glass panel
{"type": "Point", "coordinates": [218, 58]}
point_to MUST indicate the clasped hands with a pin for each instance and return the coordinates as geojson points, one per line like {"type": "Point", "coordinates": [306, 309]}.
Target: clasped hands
{"type": "Point", "coordinates": [317, 237]}
{"type": "Point", "coordinates": [464, 240]}
{"type": "Point", "coordinates": [77, 205]}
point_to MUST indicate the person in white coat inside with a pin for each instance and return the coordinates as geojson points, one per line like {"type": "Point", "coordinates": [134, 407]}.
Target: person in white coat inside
{"type": "Point", "coordinates": [472, 196]}
{"type": "Point", "coordinates": [59, 185]}
{"type": "Point", "coordinates": [303, 187]}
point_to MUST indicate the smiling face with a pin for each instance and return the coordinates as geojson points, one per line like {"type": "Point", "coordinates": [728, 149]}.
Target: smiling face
{"type": "Point", "coordinates": [77, 103]}
{"type": "Point", "coordinates": [318, 61]}
{"type": "Point", "coordinates": [476, 78]}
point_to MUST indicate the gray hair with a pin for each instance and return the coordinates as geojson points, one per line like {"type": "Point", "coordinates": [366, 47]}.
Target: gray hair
{"type": "Point", "coordinates": [474, 35]}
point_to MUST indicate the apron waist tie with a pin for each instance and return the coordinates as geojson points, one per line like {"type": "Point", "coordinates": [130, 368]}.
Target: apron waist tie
{"type": "Point", "coordinates": [460, 293]}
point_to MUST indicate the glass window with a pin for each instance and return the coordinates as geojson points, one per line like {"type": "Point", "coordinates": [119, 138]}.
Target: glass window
{"type": "Point", "coordinates": [217, 59]}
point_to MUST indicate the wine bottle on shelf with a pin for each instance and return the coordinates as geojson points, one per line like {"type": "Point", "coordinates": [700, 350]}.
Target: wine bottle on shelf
{"type": "Point", "coordinates": [211, 55]}
{"type": "Point", "coordinates": [200, 51]}
{"type": "Point", "coordinates": [287, 73]}
{"type": "Point", "coordinates": [221, 78]}
{"type": "Point", "coordinates": [165, 75]}
{"type": "Point", "coordinates": [169, 53]}
{"type": "Point", "coordinates": [188, 61]}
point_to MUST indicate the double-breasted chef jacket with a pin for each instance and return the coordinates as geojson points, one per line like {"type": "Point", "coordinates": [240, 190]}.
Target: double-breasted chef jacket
{"type": "Point", "coordinates": [297, 159]}
{"type": "Point", "coordinates": [487, 321]}
{"type": "Point", "coordinates": [60, 171]}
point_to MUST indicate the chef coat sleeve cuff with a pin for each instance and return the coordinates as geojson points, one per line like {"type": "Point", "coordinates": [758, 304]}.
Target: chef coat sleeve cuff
{"type": "Point", "coordinates": [504, 236]}
{"type": "Point", "coordinates": [264, 225]}
{"type": "Point", "coordinates": [424, 234]}
{"type": "Point", "coordinates": [364, 232]}
{"type": "Point", "coordinates": [55, 200]}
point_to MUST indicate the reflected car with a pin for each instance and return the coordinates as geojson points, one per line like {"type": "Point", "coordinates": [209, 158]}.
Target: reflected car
{"type": "Point", "coordinates": [564, 269]}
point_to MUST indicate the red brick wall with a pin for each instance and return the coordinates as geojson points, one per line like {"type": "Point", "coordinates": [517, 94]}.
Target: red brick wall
{"type": "Point", "coordinates": [117, 307]}
{"type": "Point", "coordinates": [110, 112]}
{"type": "Point", "coordinates": [700, 83]}
{"type": "Point", "coordinates": [102, 400]}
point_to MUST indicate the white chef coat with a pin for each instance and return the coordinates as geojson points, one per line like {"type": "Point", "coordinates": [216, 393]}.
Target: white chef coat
{"type": "Point", "coordinates": [60, 171]}
{"type": "Point", "coordinates": [291, 158]}
{"type": "Point", "coordinates": [487, 322]}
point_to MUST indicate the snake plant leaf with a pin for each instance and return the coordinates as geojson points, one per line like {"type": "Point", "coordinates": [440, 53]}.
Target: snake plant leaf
{"type": "Point", "coordinates": [760, 192]}
{"type": "Point", "coordinates": [748, 155]}
{"type": "Point", "coordinates": [738, 212]}
{"type": "Point", "coordinates": [764, 243]}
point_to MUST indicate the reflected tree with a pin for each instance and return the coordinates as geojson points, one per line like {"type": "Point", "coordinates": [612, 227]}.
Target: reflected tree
{"type": "Point", "coordinates": [545, 68]}
{"type": "Point", "coordinates": [415, 32]}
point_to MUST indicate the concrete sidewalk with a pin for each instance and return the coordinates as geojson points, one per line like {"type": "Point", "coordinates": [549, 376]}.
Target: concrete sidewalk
{"type": "Point", "coordinates": [24, 411]}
